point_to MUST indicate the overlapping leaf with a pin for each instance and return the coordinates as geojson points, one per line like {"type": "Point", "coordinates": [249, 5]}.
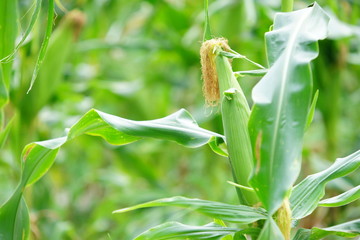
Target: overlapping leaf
{"type": "Point", "coordinates": [307, 194]}
{"type": "Point", "coordinates": [39, 156]}
{"type": "Point", "coordinates": [348, 230]}
{"type": "Point", "coordinates": [270, 231]}
{"type": "Point", "coordinates": [226, 212]}
{"type": "Point", "coordinates": [282, 99]}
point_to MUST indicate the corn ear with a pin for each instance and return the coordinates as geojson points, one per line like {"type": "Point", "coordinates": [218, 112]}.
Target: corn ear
{"type": "Point", "coordinates": [235, 113]}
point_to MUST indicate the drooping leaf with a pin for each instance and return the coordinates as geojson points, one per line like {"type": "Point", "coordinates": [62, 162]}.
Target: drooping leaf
{"type": "Point", "coordinates": [342, 199]}
{"type": "Point", "coordinates": [307, 194]}
{"type": "Point", "coordinates": [270, 231]}
{"type": "Point", "coordinates": [282, 100]}
{"type": "Point", "coordinates": [28, 30]}
{"type": "Point", "coordinates": [59, 50]}
{"type": "Point", "coordinates": [349, 230]}
{"type": "Point", "coordinates": [226, 212]}
{"type": "Point", "coordinates": [175, 230]}
{"type": "Point", "coordinates": [339, 29]}
{"type": "Point", "coordinates": [49, 25]}
{"type": "Point", "coordinates": [39, 156]}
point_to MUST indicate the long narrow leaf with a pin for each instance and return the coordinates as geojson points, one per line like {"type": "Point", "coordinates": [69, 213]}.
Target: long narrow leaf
{"type": "Point", "coordinates": [348, 230]}
{"type": "Point", "coordinates": [8, 32]}
{"type": "Point", "coordinates": [282, 99]}
{"type": "Point", "coordinates": [14, 218]}
{"type": "Point", "coordinates": [49, 25]}
{"type": "Point", "coordinates": [307, 194]}
{"type": "Point", "coordinates": [342, 199]}
{"type": "Point", "coordinates": [34, 17]}
{"type": "Point", "coordinates": [226, 212]}
{"type": "Point", "coordinates": [39, 156]}
{"type": "Point", "coordinates": [175, 230]}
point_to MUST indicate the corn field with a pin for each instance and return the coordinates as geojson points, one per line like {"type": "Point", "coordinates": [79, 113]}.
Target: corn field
{"type": "Point", "coordinates": [164, 119]}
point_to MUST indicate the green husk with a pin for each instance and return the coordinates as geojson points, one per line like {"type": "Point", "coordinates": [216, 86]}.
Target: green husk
{"type": "Point", "coordinates": [220, 82]}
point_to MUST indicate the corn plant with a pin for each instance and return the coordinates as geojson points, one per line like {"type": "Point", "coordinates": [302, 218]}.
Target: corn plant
{"type": "Point", "coordinates": [263, 144]}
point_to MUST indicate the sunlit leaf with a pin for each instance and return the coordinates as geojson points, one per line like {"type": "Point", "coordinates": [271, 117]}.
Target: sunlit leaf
{"type": "Point", "coordinates": [307, 194]}
{"type": "Point", "coordinates": [282, 100]}
{"type": "Point", "coordinates": [218, 210]}
{"type": "Point", "coordinates": [38, 157]}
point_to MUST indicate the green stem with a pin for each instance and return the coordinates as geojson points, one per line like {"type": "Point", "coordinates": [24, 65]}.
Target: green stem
{"type": "Point", "coordinates": [287, 5]}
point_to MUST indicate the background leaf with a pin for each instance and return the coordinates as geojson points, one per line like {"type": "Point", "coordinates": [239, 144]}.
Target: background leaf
{"type": "Point", "coordinates": [282, 99]}
{"type": "Point", "coordinates": [307, 194]}
{"type": "Point", "coordinates": [8, 31]}
{"type": "Point", "coordinates": [175, 230]}
{"type": "Point", "coordinates": [226, 212]}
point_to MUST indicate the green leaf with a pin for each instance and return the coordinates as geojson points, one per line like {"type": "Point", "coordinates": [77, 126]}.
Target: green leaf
{"type": "Point", "coordinates": [38, 157]}
{"type": "Point", "coordinates": [312, 110]}
{"type": "Point", "coordinates": [342, 199]}
{"type": "Point", "coordinates": [14, 218]}
{"type": "Point", "coordinates": [302, 234]}
{"type": "Point", "coordinates": [257, 72]}
{"type": "Point", "coordinates": [28, 30]}
{"type": "Point", "coordinates": [307, 194]}
{"type": "Point", "coordinates": [8, 32]}
{"type": "Point", "coordinates": [270, 231]}
{"type": "Point", "coordinates": [282, 100]}
{"type": "Point", "coordinates": [175, 230]}
{"type": "Point", "coordinates": [51, 73]}
{"type": "Point", "coordinates": [5, 132]}
{"type": "Point", "coordinates": [207, 28]}
{"type": "Point", "coordinates": [49, 25]}
{"type": "Point", "coordinates": [226, 212]}
{"type": "Point", "coordinates": [348, 230]}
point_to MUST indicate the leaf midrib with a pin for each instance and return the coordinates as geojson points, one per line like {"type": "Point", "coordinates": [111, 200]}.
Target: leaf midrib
{"type": "Point", "coordinates": [282, 90]}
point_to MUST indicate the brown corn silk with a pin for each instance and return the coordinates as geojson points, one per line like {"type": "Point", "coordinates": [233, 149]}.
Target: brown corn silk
{"type": "Point", "coordinates": [210, 79]}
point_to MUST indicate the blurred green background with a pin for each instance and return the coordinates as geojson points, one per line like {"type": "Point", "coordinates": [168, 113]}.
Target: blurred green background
{"type": "Point", "coordinates": [140, 60]}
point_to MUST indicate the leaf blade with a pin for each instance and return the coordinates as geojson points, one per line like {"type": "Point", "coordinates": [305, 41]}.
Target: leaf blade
{"type": "Point", "coordinates": [342, 199]}
{"type": "Point", "coordinates": [349, 230]}
{"type": "Point", "coordinates": [282, 100]}
{"type": "Point", "coordinates": [226, 212]}
{"type": "Point", "coordinates": [175, 230]}
{"type": "Point", "coordinates": [307, 194]}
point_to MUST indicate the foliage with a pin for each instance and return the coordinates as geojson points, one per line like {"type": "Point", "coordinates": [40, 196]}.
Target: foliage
{"type": "Point", "coordinates": [263, 135]}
